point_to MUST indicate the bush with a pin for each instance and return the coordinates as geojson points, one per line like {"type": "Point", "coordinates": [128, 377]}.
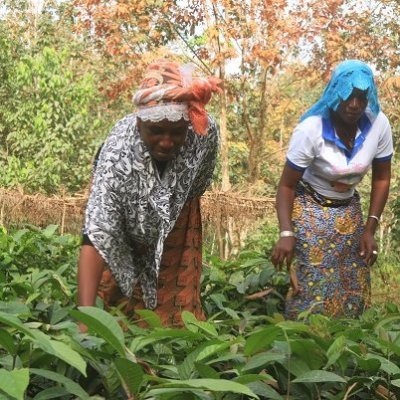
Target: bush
{"type": "Point", "coordinates": [245, 350]}
{"type": "Point", "coordinates": [49, 129]}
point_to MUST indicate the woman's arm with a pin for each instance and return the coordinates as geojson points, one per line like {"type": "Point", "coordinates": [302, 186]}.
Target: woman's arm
{"type": "Point", "coordinates": [90, 269]}
{"type": "Point", "coordinates": [284, 248]}
{"type": "Point", "coordinates": [381, 172]}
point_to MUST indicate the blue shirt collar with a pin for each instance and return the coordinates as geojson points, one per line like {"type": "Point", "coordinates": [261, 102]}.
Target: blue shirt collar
{"type": "Point", "coordinates": [328, 133]}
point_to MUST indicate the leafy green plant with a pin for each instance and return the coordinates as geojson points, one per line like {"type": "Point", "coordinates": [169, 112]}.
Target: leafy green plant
{"type": "Point", "coordinates": [49, 129]}
{"type": "Point", "coordinates": [245, 350]}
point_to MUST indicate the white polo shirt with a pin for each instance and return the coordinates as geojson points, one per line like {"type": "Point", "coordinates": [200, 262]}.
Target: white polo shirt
{"type": "Point", "coordinates": [329, 167]}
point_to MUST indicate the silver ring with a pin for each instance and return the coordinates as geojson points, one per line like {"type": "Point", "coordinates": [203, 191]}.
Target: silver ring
{"type": "Point", "coordinates": [374, 252]}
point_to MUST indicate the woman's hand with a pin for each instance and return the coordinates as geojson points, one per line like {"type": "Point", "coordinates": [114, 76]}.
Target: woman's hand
{"type": "Point", "coordinates": [283, 251]}
{"type": "Point", "coordinates": [82, 327]}
{"type": "Point", "coordinates": [368, 248]}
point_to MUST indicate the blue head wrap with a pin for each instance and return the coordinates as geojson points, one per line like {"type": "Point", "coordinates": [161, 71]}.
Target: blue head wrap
{"type": "Point", "coordinates": [346, 76]}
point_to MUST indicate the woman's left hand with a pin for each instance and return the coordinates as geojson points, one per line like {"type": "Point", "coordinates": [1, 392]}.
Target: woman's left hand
{"type": "Point", "coordinates": [368, 248]}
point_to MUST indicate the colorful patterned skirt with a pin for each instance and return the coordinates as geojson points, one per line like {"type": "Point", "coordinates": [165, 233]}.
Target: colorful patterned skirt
{"type": "Point", "coordinates": [333, 279]}
{"type": "Point", "coordinates": [180, 273]}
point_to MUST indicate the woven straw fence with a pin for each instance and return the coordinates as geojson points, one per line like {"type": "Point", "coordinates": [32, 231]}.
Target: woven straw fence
{"type": "Point", "coordinates": [228, 217]}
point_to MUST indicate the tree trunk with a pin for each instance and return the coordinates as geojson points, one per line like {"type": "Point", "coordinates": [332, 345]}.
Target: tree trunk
{"type": "Point", "coordinates": [225, 185]}
{"type": "Point", "coordinates": [218, 48]}
{"type": "Point", "coordinates": [254, 160]}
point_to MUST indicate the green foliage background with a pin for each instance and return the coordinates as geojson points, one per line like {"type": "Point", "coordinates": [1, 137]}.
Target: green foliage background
{"type": "Point", "coordinates": [51, 130]}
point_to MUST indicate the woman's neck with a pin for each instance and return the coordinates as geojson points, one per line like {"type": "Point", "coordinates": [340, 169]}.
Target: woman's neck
{"type": "Point", "coordinates": [343, 126]}
{"type": "Point", "coordinates": [160, 165]}
{"type": "Point", "coordinates": [346, 132]}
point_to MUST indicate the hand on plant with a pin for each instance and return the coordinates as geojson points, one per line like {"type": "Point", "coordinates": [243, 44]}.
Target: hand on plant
{"type": "Point", "coordinates": [368, 248]}
{"type": "Point", "coordinates": [82, 327]}
{"type": "Point", "coordinates": [283, 251]}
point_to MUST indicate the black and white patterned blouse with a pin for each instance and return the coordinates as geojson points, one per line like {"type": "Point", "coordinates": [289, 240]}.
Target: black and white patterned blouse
{"type": "Point", "coordinates": [131, 205]}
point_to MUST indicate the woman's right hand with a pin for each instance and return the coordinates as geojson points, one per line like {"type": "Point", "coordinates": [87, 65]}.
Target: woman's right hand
{"type": "Point", "coordinates": [82, 327]}
{"type": "Point", "coordinates": [283, 251]}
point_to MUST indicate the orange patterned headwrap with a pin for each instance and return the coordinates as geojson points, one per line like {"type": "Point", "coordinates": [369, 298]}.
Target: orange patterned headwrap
{"type": "Point", "coordinates": [169, 91]}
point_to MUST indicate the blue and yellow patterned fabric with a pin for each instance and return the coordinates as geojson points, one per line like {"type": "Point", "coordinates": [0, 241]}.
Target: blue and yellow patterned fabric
{"type": "Point", "coordinates": [333, 278]}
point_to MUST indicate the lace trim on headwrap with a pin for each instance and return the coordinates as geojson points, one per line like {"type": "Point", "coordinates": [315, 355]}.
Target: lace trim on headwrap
{"type": "Point", "coordinates": [169, 111]}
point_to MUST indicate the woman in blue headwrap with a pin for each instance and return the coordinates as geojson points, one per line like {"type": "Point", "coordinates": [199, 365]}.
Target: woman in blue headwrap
{"type": "Point", "coordinates": [321, 226]}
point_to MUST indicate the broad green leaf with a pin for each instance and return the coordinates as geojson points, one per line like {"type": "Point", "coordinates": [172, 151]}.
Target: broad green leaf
{"type": "Point", "coordinates": [14, 307]}
{"type": "Point", "coordinates": [57, 316]}
{"type": "Point", "coordinates": [205, 371]}
{"type": "Point", "coordinates": [15, 322]}
{"type": "Point", "coordinates": [190, 321]}
{"type": "Point", "coordinates": [63, 352]}
{"type": "Point", "coordinates": [130, 373]}
{"type": "Point", "coordinates": [249, 378]}
{"type": "Point", "coordinates": [335, 350]}
{"type": "Point", "coordinates": [308, 351]}
{"type": "Point", "coordinates": [178, 394]}
{"type": "Point", "coordinates": [7, 342]}
{"type": "Point", "coordinates": [51, 393]}
{"type": "Point", "coordinates": [261, 339]}
{"type": "Point", "coordinates": [386, 365]}
{"type": "Point", "coordinates": [58, 349]}
{"type": "Point", "coordinates": [150, 317]}
{"type": "Point", "coordinates": [212, 349]}
{"type": "Point", "coordinates": [395, 382]}
{"type": "Point", "coordinates": [381, 324]}
{"type": "Point", "coordinates": [261, 359]}
{"type": "Point", "coordinates": [14, 382]}
{"type": "Point", "coordinates": [19, 234]}
{"type": "Point", "coordinates": [264, 391]}
{"type": "Point", "coordinates": [205, 349]}
{"type": "Point", "coordinates": [293, 326]}
{"type": "Point", "coordinates": [372, 365]}
{"type": "Point", "coordinates": [296, 366]}
{"type": "Point", "coordinates": [218, 299]}
{"type": "Point", "coordinates": [316, 376]}
{"type": "Point", "coordinates": [389, 345]}
{"type": "Point", "coordinates": [140, 342]}
{"type": "Point", "coordinates": [33, 297]}
{"type": "Point", "coordinates": [34, 326]}
{"type": "Point", "coordinates": [50, 230]}
{"type": "Point", "coordinates": [215, 385]}
{"type": "Point", "coordinates": [170, 333]}
{"type": "Point", "coordinates": [253, 262]}
{"type": "Point", "coordinates": [64, 287]}
{"type": "Point", "coordinates": [68, 384]}
{"type": "Point", "coordinates": [103, 324]}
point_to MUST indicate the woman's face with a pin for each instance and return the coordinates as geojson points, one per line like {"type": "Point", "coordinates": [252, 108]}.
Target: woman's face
{"type": "Point", "coordinates": [163, 139]}
{"type": "Point", "coordinates": [351, 110]}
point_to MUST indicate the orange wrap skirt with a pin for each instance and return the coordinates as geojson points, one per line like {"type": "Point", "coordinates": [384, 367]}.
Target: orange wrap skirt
{"type": "Point", "coordinates": [179, 276]}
